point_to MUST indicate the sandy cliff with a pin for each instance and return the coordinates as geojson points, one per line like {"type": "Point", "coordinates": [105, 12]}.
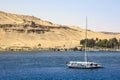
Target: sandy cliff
{"type": "Point", "coordinates": [29, 32]}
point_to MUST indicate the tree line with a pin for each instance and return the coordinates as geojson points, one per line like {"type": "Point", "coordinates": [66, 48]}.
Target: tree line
{"type": "Point", "coordinates": [105, 43]}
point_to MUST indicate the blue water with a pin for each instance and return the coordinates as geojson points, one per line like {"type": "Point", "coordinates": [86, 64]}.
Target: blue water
{"type": "Point", "coordinates": [52, 66]}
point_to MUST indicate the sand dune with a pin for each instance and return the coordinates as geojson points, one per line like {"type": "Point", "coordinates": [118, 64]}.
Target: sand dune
{"type": "Point", "coordinates": [28, 31]}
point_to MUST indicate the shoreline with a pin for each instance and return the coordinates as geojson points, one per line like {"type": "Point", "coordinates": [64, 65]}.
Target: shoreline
{"type": "Point", "coordinates": [55, 50]}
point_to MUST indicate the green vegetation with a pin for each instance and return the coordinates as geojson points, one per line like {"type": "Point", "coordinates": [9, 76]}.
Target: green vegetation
{"type": "Point", "coordinates": [98, 43]}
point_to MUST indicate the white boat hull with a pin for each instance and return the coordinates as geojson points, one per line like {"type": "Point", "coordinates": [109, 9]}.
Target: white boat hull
{"type": "Point", "coordinates": [83, 65]}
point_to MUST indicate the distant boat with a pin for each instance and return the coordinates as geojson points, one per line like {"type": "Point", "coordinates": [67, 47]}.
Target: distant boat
{"type": "Point", "coordinates": [85, 64]}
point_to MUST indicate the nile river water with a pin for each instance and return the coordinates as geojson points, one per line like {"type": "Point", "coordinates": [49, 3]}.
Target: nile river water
{"type": "Point", "coordinates": [52, 66]}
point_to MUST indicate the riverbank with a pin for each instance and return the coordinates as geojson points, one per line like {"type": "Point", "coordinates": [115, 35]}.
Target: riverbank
{"type": "Point", "coordinates": [55, 49]}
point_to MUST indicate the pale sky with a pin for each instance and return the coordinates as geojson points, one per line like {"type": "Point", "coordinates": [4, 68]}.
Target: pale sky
{"type": "Point", "coordinates": [103, 15]}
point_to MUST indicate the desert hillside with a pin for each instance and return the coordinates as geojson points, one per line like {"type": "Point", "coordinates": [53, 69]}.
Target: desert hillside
{"type": "Point", "coordinates": [29, 32]}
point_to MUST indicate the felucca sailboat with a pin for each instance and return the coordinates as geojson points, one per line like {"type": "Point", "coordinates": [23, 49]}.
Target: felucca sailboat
{"type": "Point", "coordinates": [84, 64]}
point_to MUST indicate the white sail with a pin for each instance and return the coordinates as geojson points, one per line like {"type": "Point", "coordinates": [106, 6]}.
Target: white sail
{"type": "Point", "coordinates": [85, 57]}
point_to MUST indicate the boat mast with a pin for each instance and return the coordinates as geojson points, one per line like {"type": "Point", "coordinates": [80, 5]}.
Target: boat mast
{"type": "Point", "coordinates": [85, 57]}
